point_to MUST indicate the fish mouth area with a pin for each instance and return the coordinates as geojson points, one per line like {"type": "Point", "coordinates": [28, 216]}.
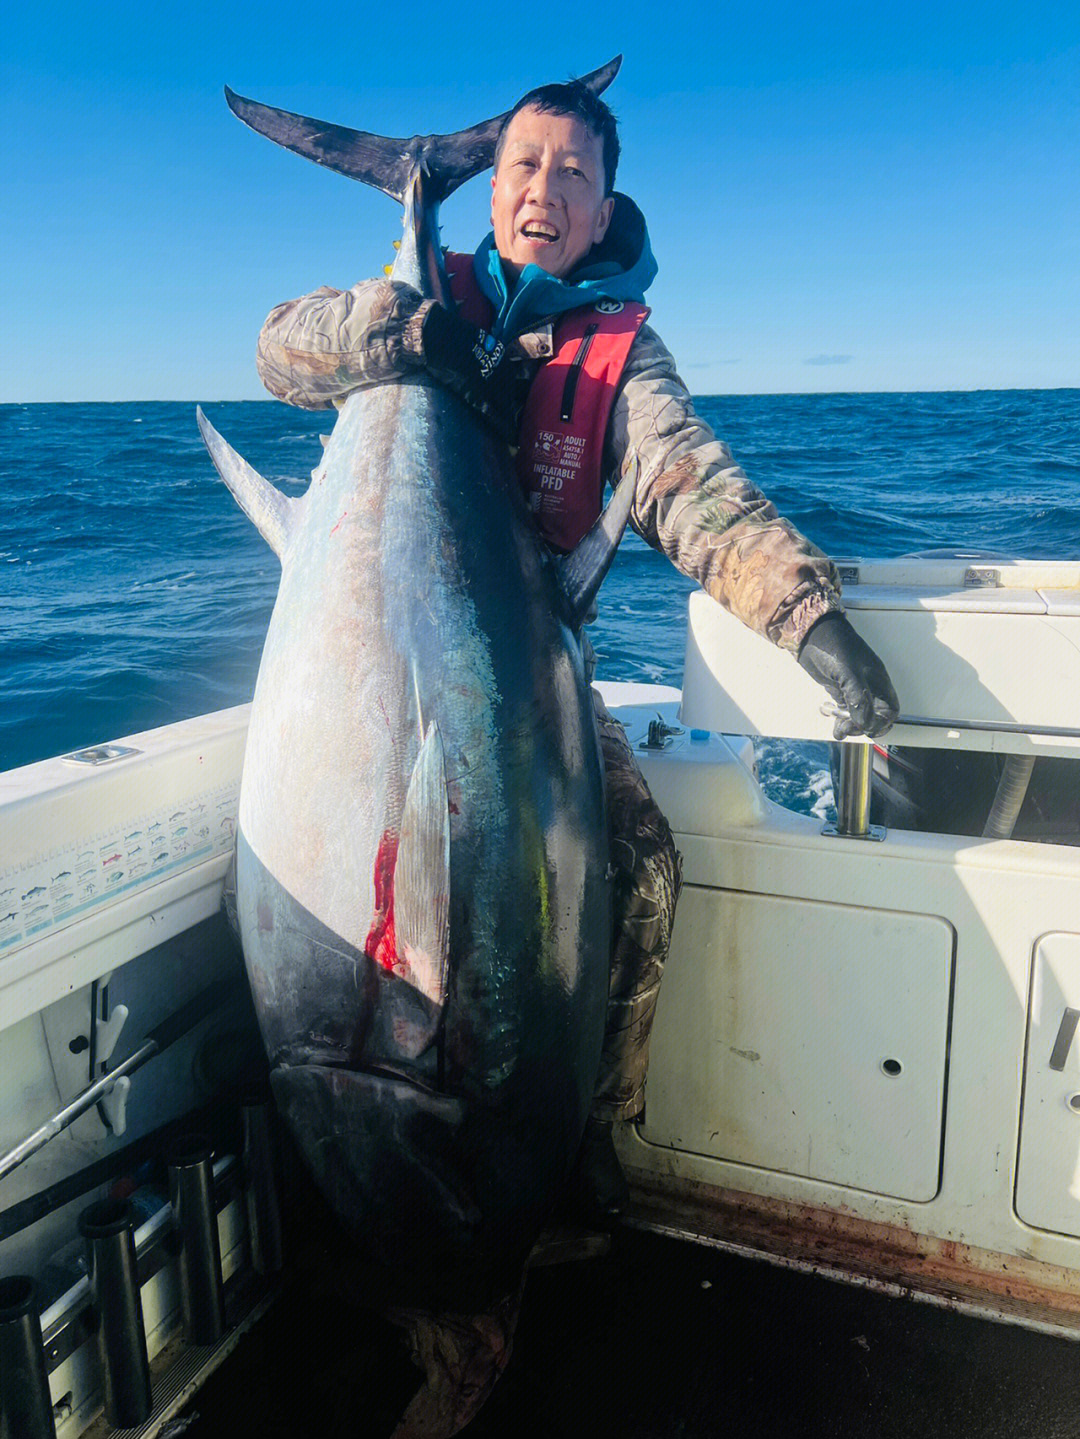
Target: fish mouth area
{"type": "Point", "coordinates": [331, 1060]}
{"type": "Point", "coordinates": [365, 1132]}
{"type": "Point", "coordinates": [408, 1173]}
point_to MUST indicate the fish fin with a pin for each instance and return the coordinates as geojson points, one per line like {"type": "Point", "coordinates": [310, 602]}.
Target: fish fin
{"type": "Point", "coordinates": [265, 506]}
{"type": "Point", "coordinates": [462, 1356]}
{"type": "Point", "coordinates": [389, 164]}
{"type": "Point", "coordinates": [582, 571]}
{"type": "Point", "coordinates": [422, 874]}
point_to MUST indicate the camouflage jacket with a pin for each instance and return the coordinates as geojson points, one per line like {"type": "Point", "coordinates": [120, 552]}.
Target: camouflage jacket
{"type": "Point", "coordinates": [692, 500]}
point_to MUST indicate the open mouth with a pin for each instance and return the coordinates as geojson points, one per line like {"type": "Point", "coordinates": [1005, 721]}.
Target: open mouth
{"type": "Point", "coordinates": [539, 231]}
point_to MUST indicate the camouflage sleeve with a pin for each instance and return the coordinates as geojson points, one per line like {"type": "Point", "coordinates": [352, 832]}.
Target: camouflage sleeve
{"type": "Point", "coordinates": [314, 351]}
{"type": "Point", "coordinates": [694, 503]}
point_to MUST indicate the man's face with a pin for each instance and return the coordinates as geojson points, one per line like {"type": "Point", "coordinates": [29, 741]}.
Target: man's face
{"type": "Point", "coordinates": [547, 194]}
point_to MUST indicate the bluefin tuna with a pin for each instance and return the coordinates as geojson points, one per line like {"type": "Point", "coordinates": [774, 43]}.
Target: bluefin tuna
{"type": "Point", "coordinates": [423, 885]}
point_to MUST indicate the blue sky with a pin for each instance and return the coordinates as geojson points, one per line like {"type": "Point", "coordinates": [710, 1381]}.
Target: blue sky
{"type": "Point", "coordinates": [841, 196]}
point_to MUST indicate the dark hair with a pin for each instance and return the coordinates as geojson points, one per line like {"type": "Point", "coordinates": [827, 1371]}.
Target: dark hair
{"type": "Point", "coordinates": [573, 98]}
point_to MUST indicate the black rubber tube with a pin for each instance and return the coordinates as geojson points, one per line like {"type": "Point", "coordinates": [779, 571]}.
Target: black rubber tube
{"type": "Point", "coordinates": [263, 1211]}
{"type": "Point", "coordinates": [109, 1230]}
{"type": "Point", "coordinates": [25, 1403]}
{"type": "Point", "coordinates": [191, 1191]}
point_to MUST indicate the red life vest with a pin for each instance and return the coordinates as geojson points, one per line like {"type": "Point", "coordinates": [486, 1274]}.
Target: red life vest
{"type": "Point", "coordinates": [561, 438]}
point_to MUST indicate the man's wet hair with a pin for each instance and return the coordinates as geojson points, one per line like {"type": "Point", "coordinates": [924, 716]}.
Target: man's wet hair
{"type": "Point", "coordinates": [578, 100]}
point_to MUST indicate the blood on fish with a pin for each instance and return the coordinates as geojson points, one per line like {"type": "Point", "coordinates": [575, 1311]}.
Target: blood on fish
{"type": "Point", "coordinates": [381, 943]}
{"type": "Point", "coordinates": [338, 525]}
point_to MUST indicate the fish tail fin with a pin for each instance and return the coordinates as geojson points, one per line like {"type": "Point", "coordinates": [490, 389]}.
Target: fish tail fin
{"type": "Point", "coordinates": [462, 1356]}
{"type": "Point", "coordinates": [265, 506]}
{"type": "Point", "coordinates": [386, 163]}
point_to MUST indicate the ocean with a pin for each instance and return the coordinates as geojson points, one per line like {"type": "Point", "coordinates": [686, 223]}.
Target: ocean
{"type": "Point", "coordinates": [133, 592]}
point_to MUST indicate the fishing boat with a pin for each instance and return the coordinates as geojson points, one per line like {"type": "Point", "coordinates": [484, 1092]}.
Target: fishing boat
{"type": "Point", "coordinates": [864, 1062]}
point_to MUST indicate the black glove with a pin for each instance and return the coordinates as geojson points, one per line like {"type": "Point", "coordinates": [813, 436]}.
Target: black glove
{"type": "Point", "coordinates": [459, 357]}
{"type": "Point", "coordinates": [834, 655]}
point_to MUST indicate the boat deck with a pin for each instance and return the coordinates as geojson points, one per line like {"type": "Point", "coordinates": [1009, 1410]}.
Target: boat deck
{"type": "Point", "coordinates": [661, 1339]}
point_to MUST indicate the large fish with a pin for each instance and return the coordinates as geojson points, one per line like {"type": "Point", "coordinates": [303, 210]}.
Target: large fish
{"type": "Point", "coordinates": [422, 883]}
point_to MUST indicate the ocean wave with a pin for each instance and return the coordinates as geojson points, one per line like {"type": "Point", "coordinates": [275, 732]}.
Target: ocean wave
{"type": "Point", "coordinates": [135, 592]}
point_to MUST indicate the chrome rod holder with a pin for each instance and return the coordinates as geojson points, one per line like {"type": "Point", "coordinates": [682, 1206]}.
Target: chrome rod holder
{"type": "Point", "coordinates": [853, 794]}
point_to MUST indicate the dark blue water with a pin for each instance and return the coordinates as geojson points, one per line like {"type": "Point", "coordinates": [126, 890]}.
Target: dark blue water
{"type": "Point", "coordinates": [133, 592]}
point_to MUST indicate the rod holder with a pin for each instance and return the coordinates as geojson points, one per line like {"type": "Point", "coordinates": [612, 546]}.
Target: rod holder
{"type": "Point", "coordinates": [26, 1410]}
{"type": "Point", "coordinates": [853, 800]}
{"type": "Point", "coordinates": [109, 1230]}
{"type": "Point", "coordinates": [191, 1192]}
{"type": "Point", "coordinates": [853, 794]}
{"type": "Point", "coordinates": [263, 1210]}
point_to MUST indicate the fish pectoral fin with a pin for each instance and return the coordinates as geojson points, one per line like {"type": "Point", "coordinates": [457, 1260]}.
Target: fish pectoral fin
{"type": "Point", "coordinates": [265, 506]}
{"type": "Point", "coordinates": [582, 571]}
{"type": "Point", "coordinates": [422, 874]}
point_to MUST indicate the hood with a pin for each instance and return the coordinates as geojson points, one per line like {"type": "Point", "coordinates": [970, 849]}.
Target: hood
{"type": "Point", "coordinates": [620, 267]}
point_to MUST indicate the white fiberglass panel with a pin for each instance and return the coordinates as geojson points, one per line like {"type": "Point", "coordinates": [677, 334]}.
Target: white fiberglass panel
{"type": "Point", "coordinates": [806, 1038]}
{"type": "Point", "coordinates": [1048, 1170]}
{"type": "Point", "coordinates": [983, 662]}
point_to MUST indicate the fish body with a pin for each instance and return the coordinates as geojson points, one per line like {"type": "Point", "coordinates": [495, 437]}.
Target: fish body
{"type": "Point", "coordinates": [422, 887]}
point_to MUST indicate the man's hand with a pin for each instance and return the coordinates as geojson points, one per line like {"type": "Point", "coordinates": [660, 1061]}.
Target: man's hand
{"type": "Point", "coordinates": [464, 360]}
{"type": "Point", "coordinates": [315, 351]}
{"type": "Point", "coordinates": [834, 655]}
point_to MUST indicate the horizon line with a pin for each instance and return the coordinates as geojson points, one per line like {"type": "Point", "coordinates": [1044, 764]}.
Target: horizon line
{"type": "Point", "coordinates": [694, 394]}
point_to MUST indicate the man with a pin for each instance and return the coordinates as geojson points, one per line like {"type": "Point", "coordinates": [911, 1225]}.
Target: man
{"type": "Point", "coordinates": [549, 344]}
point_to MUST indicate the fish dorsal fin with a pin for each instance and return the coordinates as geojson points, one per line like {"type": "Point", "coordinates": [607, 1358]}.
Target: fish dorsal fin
{"type": "Point", "coordinates": [265, 506]}
{"type": "Point", "coordinates": [582, 571]}
{"type": "Point", "coordinates": [422, 874]}
{"type": "Point", "coordinates": [387, 163]}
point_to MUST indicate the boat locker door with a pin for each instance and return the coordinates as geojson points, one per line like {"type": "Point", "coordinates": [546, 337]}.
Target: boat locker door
{"type": "Point", "coordinates": [1048, 1168]}
{"type": "Point", "coordinates": [805, 1038]}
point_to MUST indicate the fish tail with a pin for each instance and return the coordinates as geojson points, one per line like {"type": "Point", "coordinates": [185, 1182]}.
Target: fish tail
{"type": "Point", "coordinates": [388, 164]}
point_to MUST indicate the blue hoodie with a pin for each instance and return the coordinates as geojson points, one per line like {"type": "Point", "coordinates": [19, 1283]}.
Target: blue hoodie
{"type": "Point", "coordinates": [620, 267]}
